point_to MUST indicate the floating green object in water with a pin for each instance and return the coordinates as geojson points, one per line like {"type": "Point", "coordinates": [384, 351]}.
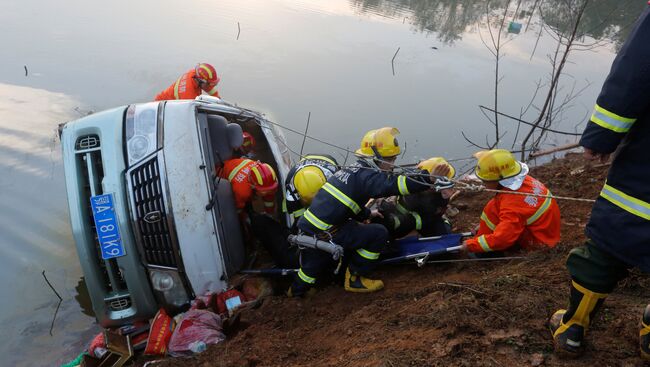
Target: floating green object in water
{"type": "Point", "coordinates": [75, 362]}
{"type": "Point", "coordinates": [514, 27]}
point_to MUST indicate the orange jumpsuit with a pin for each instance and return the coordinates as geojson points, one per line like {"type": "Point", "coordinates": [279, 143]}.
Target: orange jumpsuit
{"type": "Point", "coordinates": [236, 170]}
{"type": "Point", "coordinates": [186, 87]}
{"type": "Point", "coordinates": [529, 221]}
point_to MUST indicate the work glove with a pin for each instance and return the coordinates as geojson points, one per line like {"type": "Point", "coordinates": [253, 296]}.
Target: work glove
{"type": "Point", "coordinates": [442, 183]}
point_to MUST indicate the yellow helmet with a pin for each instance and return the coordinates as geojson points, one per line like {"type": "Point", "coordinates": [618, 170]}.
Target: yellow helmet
{"type": "Point", "coordinates": [430, 164]}
{"type": "Point", "coordinates": [307, 181]}
{"type": "Point", "coordinates": [382, 140]}
{"type": "Point", "coordinates": [496, 165]}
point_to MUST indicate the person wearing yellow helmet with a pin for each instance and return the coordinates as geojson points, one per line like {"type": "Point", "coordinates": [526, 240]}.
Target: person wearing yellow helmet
{"type": "Point", "coordinates": [422, 212]}
{"type": "Point", "coordinates": [305, 179]}
{"type": "Point", "coordinates": [507, 219]}
{"type": "Point", "coordinates": [338, 208]}
{"type": "Point", "coordinates": [380, 147]}
{"type": "Point", "coordinates": [301, 184]}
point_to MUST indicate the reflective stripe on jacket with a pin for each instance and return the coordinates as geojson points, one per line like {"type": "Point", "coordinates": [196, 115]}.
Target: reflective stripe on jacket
{"type": "Point", "coordinates": [620, 218]}
{"type": "Point", "coordinates": [426, 208]}
{"type": "Point", "coordinates": [236, 171]}
{"type": "Point", "coordinates": [185, 87]}
{"type": "Point", "coordinates": [526, 220]}
{"type": "Point", "coordinates": [345, 194]}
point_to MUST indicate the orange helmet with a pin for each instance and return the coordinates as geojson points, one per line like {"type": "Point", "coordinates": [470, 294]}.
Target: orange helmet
{"type": "Point", "coordinates": [248, 145]}
{"type": "Point", "coordinates": [206, 73]}
{"type": "Point", "coordinates": [263, 178]}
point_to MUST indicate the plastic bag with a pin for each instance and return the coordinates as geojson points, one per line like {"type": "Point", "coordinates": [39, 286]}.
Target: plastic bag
{"type": "Point", "coordinates": [161, 330]}
{"type": "Point", "coordinates": [196, 330]}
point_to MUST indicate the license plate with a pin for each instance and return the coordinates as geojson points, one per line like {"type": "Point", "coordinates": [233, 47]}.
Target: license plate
{"type": "Point", "coordinates": [106, 225]}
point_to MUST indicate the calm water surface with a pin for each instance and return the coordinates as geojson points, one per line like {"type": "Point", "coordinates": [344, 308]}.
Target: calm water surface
{"type": "Point", "coordinates": [331, 58]}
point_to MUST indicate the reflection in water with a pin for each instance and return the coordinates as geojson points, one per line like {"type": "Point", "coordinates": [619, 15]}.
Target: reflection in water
{"type": "Point", "coordinates": [83, 298]}
{"type": "Point", "coordinates": [604, 25]}
{"type": "Point", "coordinates": [450, 19]}
{"type": "Point", "coordinates": [35, 233]}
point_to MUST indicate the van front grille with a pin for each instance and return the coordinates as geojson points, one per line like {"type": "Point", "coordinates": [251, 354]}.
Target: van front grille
{"type": "Point", "coordinates": [89, 161]}
{"type": "Point", "coordinates": [150, 213]}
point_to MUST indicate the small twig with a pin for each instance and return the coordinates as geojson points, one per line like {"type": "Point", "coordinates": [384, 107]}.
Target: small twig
{"type": "Point", "coordinates": [26, 72]}
{"type": "Point", "coordinates": [495, 361]}
{"type": "Point", "coordinates": [529, 123]}
{"type": "Point", "coordinates": [50, 284]}
{"type": "Point", "coordinates": [305, 137]}
{"type": "Point", "coordinates": [461, 286]}
{"type": "Point", "coordinates": [553, 150]}
{"type": "Point", "coordinates": [471, 142]}
{"type": "Point", "coordinates": [57, 305]}
{"type": "Point", "coordinates": [238, 31]}
{"type": "Point", "coordinates": [392, 61]}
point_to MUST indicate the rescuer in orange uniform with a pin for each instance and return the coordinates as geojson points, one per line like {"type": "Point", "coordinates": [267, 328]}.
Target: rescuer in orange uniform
{"type": "Point", "coordinates": [189, 86]}
{"type": "Point", "coordinates": [509, 219]}
{"type": "Point", "coordinates": [249, 178]}
{"type": "Point", "coordinates": [247, 148]}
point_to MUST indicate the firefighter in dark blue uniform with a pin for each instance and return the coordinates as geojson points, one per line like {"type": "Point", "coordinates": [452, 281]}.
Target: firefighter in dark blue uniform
{"type": "Point", "coordinates": [619, 228]}
{"type": "Point", "coordinates": [305, 179]}
{"type": "Point", "coordinates": [336, 210]}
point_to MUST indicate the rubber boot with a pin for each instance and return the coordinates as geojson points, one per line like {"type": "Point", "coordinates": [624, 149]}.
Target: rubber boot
{"type": "Point", "coordinates": [360, 284]}
{"type": "Point", "coordinates": [644, 335]}
{"type": "Point", "coordinates": [302, 285]}
{"type": "Point", "coordinates": [569, 327]}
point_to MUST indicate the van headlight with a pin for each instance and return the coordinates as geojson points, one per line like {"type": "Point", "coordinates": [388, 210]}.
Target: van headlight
{"type": "Point", "coordinates": [169, 288]}
{"type": "Point", "coordinates": [141, 131]}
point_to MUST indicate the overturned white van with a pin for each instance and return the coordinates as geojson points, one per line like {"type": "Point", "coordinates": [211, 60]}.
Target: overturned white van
{"type": "Point", "coordinates": [153, 224]}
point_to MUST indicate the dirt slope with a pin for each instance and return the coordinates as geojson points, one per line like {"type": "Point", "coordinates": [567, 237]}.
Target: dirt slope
{"type": "Point", "coordinates": [469, 314]}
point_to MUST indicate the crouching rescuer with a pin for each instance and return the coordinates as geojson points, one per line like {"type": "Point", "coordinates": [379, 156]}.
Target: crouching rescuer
{"type": "Point", "coordinates": [619, 227]}
{"type": "Point", "coordinates": [338, 208]}
{"type": "Point", "coordinates": [526, 217]}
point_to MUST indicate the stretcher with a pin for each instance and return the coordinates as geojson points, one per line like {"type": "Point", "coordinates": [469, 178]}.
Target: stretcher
{"type": "Point", "coordinates": [421, 249]}
{"type": "Point", "coordinates": [413, 248]}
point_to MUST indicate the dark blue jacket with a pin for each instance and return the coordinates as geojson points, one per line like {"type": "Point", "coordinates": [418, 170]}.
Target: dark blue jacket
{"type": "Point", "coordinates": [620, 219]}
{"type": "Point", "coordinates": [346, 193]}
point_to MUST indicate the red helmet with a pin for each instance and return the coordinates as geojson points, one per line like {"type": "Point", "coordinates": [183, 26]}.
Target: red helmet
{"type": "Point", "coordinates": [207, 73]}
{"type": "Point", "coordinates": [263, 178]}
{"type": "Point", "coordinates": [249, 143]}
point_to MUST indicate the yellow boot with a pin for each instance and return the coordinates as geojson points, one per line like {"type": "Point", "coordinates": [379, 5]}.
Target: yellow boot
{"type": "Point", "coordinates": [644, 335]}
{"type": "Point", "coordinates": [360, 284]}
{"type": "Point", "coordinates": [568, 327]}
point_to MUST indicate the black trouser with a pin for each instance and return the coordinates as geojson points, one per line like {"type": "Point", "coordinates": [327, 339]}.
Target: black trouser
{"type": "Point", "coordinates": [401, 224]}
{"type": "Point", "coordinates": [362, 244]}
{"type": "Point", "coordinates": [434, 226]}
{"type": "Point", "coordinates": [595, 269]}
{"type": "Point", "coordinates": [273, 237]}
